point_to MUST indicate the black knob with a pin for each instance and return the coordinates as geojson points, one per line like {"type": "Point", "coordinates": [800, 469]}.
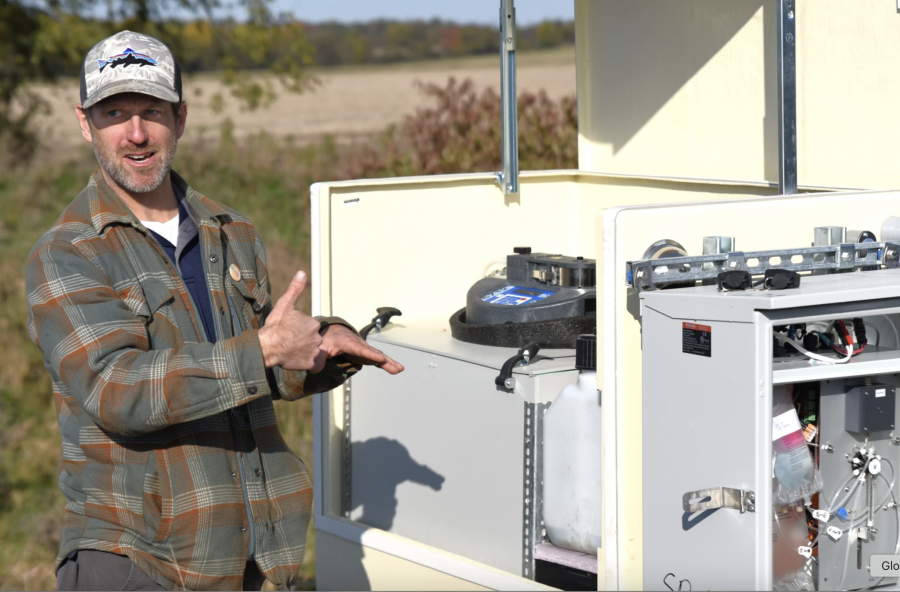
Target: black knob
{"type": "Point", "coordinates": [380, 320]}
{"type": "Point", "coordinates": [782, 279]}
{"type": "Point", "coordinates": [734, 279]}
{"type": "Point", "coordinates": [522, 250]}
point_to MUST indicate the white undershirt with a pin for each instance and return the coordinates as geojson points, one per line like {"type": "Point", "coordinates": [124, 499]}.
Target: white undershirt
{"type": "Point", "coordinates": [167, 230]}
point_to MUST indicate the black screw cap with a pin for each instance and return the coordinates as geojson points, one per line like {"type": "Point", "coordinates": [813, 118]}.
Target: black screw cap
{"type": "Point", "coordinates": [522, 250]}
{"type": "Point", "coordinates": [586, 352]}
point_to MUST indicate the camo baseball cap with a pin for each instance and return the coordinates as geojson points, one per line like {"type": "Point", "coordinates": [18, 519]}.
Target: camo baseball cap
{"type": "Point", "coordinates": [130, 62]}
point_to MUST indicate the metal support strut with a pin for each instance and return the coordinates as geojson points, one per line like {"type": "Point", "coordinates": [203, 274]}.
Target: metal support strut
{"type": "Point", "coordinates": [533, 469]}
{"type": "Point", "coordinates": [509, 177]}
{"type": "Point", "coordinates": [787, 97]}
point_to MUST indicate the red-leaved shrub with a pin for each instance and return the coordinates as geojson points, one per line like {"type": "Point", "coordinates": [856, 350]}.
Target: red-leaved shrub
{"type": "Point", "coordinates": [461, 133]}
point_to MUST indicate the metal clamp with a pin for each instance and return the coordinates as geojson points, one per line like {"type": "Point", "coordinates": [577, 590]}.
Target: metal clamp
{"type": "Point", "coordinates": [719, 497]}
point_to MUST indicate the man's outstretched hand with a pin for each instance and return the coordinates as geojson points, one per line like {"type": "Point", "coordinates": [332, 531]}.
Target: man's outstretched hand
{"type": "Point", "coordinates": [338, 340]}
{"type": "Point", "coordinates": [292, 340]}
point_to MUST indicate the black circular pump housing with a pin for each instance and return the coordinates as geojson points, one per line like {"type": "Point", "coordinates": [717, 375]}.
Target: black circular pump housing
{"type": "Point", "coordinates": [586, 352]}
{"type": "Point", "coordinates": [543, 295]}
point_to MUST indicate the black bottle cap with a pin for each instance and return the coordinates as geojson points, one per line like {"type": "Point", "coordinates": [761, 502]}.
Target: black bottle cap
{"type": "Point", "coordinates": [522, 250]}
{"type": "Point", "coordinates": [586, 352]}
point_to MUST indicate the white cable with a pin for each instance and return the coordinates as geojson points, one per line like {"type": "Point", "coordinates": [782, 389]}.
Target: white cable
{"type": "Point", "coordinates": [809, 354]}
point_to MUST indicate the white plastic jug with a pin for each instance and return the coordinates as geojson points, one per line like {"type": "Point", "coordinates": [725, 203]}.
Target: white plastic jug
{"type": "Point", "coordinates": [572, 508]}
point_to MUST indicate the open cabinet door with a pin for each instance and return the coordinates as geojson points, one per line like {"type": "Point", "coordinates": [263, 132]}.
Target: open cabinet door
{"type": "Point", "coordinates": [418, 244]}
{"type": "Point", "coordinates": [700, 452]}
{"type": "Point", "coordinates": [626, 231]}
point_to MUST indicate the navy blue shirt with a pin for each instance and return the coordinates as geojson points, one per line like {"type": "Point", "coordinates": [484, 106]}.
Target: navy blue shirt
{"type": "Point", "coordinates": [190, 263]}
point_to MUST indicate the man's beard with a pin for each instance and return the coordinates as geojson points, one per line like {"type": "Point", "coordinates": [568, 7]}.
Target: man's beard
{"type": "Point", "coordinates": [134, 181]}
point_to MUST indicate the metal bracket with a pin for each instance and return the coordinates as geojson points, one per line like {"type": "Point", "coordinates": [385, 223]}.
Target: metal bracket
{"type": "Point", "coordinates": [346, 499]}
{"type": "Point", "coordinates": [787, 96]}
{"type": "Point", "coordinates": [509, 177]}
{"type": "Point", "coordinates": [533, 474]}
{"type": "Point", "coordinates": [651, 274]}
{"type": "Point", "coordinates": [719, 497]}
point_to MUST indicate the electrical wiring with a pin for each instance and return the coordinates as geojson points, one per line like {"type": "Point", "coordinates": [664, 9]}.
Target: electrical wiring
{"type": "Point", "coordinates": [848, 342]}
{"type": "Point", "coordinates": [877, 333]}
{"type": "Point", "coordinates": [784, 339]}
{"type": "Point", "coordinates": [844, 352]}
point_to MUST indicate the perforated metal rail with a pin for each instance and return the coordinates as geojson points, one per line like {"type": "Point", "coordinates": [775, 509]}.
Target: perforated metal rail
{"type": "Point", "coordinates": [653, 274]}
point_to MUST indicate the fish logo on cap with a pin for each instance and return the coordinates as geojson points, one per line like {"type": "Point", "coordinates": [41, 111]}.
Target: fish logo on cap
{"type": "Point", "coordinates": [127, 58]}
{"type": "Point", "coordinates": [107, 70]}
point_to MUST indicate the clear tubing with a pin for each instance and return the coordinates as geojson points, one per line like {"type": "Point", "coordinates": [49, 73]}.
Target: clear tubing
{"type": "Point", "coordinates": [838, 492]}
{"type": "Point", "coordinates": [846, 498]}
{"type": "Point", "coordinates": [858, 522]}
{"type": "Point", "coordinates": [844, 564]}
{"type": "Point", "coordinates": [897, 545]}
{"type": "Point", "coordinates": [846, 556]}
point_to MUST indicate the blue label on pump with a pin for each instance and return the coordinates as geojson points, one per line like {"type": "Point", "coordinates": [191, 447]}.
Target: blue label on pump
{"type": "Point", "coordinates": [514, 296]}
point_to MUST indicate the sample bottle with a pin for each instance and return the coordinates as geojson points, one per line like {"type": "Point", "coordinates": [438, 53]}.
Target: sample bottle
{"type": "Point", "coordinates": [572, 477]}
{"type": "Point", "coordinates": [796, 477]}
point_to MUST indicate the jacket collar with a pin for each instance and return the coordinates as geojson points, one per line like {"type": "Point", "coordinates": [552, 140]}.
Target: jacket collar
{"type": "Point", "coordinates": [106, 208]}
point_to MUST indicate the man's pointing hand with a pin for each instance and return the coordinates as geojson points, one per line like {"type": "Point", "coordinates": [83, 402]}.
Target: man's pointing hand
{"type": "Point", "coordinates": [339, 340]}
{"type": "Point", "coordinates": [291, 339]}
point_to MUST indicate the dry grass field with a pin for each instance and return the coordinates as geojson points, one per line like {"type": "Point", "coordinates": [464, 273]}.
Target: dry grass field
{"type": "Point", "coordinates": [349, 102]}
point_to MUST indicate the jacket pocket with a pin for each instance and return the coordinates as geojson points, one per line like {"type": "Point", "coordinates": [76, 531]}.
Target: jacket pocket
{"type": "Point", "coordinates": [255, 303]}
{"type": "Point", "coordinates": [156, 294]}
{"type": "Point", "coordinates": [112, 479]}
{"type": "Point", "coordinates": [159, 319]}
{"type": "Point", "coordinates": [157, 498]}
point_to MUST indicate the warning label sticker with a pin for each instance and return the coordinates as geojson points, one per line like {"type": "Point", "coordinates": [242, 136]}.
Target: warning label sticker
{"type": "Point", "coordinates": [696, 339]}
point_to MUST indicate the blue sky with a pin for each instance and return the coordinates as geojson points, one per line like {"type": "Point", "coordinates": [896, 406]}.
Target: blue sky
{"type": "Point", "coordinates": [485, 12]}
{"type": "Point", "coordinates": [465, 11]}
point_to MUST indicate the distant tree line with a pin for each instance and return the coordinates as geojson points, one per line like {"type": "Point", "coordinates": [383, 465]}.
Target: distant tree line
{"type": "Point", "coordinates": [392, 41]}
{"type": "Point", "coordinates": [203, 46]}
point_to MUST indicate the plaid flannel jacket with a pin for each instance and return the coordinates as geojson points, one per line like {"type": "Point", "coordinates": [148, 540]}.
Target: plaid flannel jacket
{"type": "Point", "coordinates": [152, 453]}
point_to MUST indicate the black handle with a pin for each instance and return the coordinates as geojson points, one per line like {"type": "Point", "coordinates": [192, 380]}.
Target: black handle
{"type": "Point", "coordinates": [528, 352]}
{"type": "Point", "coordinates": [380, 320]}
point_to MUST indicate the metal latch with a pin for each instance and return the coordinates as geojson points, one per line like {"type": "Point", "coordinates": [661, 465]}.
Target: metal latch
{"type": "Point", "coordinates": [719, 497]}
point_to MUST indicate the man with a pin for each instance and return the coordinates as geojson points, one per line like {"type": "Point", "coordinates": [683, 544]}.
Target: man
{"type": "Point", "coordinates": [151, 305]}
